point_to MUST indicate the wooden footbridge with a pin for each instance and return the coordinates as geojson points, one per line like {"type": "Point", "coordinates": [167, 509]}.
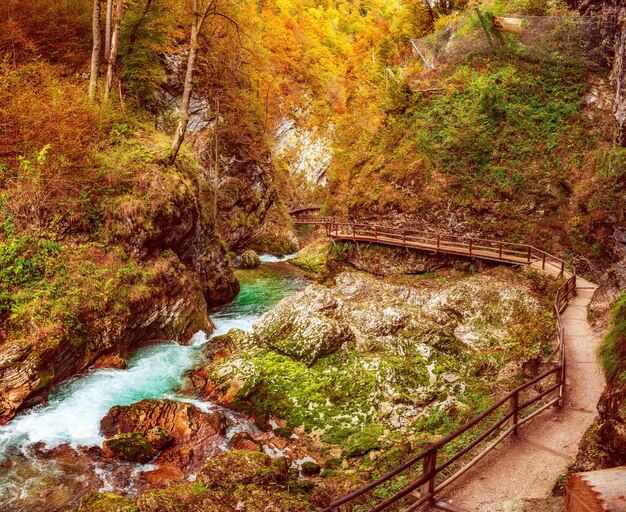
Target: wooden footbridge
{"type": "Point", "coordinates": [416, 483]}
{"type": "Point", "coordinates": [305, 208]}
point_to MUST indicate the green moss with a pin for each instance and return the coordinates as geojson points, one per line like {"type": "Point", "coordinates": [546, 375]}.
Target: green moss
{"type": "Point", "coordinates": [333, 463]}
{"type": "Point", "coordinates": [313, 257]}
{"type": "Point", "coordinates": [133, 447]}
{"type": "Point", "coordinates": [365, 441]}
{"type": "Point", "coordinates": [310, 468]}
{"type": "Point", "coordinates": [106, 502]}
{"type": "Point", "coordinates": [612, 351]}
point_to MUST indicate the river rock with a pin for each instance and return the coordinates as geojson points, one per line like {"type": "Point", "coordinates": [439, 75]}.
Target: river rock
{"type": "Point", "coordinates": [248, 259]}
{"type": "Point", "coordinates": [133, 447]}
{"type": "Point", "coordinates": [244, 441]}
{"type": "Point", "coordinates": [304, 327]}
{"type": "Point", "coordinates": [186, 435]}
{"type": "Point", "coordinates": [163, 475]}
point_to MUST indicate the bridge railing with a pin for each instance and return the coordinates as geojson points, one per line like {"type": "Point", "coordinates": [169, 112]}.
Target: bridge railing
{"type": "Point", "coordinates": [480, 247]}
{"type": "Point", "coordinates": [430, 471]}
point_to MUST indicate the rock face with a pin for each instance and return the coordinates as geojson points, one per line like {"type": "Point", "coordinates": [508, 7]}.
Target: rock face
{"type": "Point", "coordinates": [188, 272]}
{"type": "Point", "coordinates": [352, 362]}
{"type": "Point", "coordinates": [242, 171]}
{"type": "Point", "coordinates": [615, 32]}
{"type": "Point", "coordinates": [182, 433]}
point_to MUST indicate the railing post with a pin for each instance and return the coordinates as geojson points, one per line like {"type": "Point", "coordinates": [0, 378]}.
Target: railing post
{"type": "Point", "coordinates": [500, 250]}
{"type": "Point", "coordinates": [353, 231]}
{"type": "Point", "coordinates": [562, 269]}
{"type": "Point", "coordinates": [404, 236]}
{"type": "Point", "coordinates": [376, 232]}
{"type": "Point", "coordinates": [543, 263]}
{"type": "Point", "coordinates": [428, 469]}
{"type": "Point", "coordinates": [470, 246]}
{"type": "Point", "coordinates": [561, 380]}
{"type": "Point", "coordinates": [438, 241]}
{"type": "Point", "coordinates": [515, 409]}
{"type": "Point", "coordinates": [529, 254]}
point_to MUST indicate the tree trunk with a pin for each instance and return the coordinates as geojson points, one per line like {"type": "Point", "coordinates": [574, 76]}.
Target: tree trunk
{"type": "Point", "coordinates": [107, 30]}
{"type": "Point", "coordinates": [183, 119]}
{"type": "Point", "coordinates": [216, 174]}
{"type": "Point", "coordinates": [95, 51]}
{"type": "Point", "coordinates": [115, 36]}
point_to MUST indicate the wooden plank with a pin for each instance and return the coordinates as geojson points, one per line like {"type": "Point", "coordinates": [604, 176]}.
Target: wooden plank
{"type": "Point", "coordinates": [597, 491]}
{"type": "Point", "coordinates": [509, 25]}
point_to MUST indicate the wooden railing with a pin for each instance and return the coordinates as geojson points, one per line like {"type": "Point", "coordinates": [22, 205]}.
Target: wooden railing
{"type": "Point", "coordinates": [494, 250]}
{"type": "Point", "coordinates": [442, 463]}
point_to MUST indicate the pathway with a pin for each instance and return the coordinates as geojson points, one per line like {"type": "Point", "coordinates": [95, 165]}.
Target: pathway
{"type": "Point", "coordinates": [528, 466]}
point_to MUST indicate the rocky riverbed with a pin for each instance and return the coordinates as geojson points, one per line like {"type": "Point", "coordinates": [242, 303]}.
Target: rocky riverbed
{"type": "Point", "coordinates": [364, 360]}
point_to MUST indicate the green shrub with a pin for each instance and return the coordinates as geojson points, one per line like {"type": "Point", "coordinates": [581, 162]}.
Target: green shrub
{"type": "Point", "coordinates": [612, 353]}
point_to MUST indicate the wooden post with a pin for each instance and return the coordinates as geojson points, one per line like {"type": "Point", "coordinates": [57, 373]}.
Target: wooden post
{"type": "Point", "coordinates": [500, 250]}
{"type": "Point", "coordinates": [428, 469]}
{"type": "Point", "coordinates": [529, 254]}
{"type": "Point", "coordinates": [483, 23]}
{"type": "Point", "coordinates": [376, 232]}
{"type": "Point", "coordinates": [543, 263]}
{"type": "Point", "coordinates": [470, 246]}
{"type": "Point", "coordinates": [438, 241]}
{"type": "Point", "coordinates": [404, 236]}
{"type": "Point", "coordinates": [562, 269]}
{"type": "Point", "coordinates": [353, 231]}
{"type": "Point", "coordinates": [515, 408]}
{"type": "Point", "coordinates": [561, 380]}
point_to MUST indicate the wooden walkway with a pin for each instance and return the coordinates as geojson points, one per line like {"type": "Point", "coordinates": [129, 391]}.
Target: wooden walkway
{"type": "Point", "coordinates": [427, 474]}
{"type": "Point", "coordinates": [492, 250]}
{"type": "Point", "coordinates": [529, 464]}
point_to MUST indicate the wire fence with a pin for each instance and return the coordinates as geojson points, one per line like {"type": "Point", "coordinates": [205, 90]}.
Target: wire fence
{"type": "Point", "coordinates": [586, 39]}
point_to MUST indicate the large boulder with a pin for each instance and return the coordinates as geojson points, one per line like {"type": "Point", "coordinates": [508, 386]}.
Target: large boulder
{"type": "Point", "coordinates": [248, 259]}
{"type": "Point", "coordinates": [184, 434]}
{"type": "Point", "coordinates": [335, 360]}
{"type": "Point", "coordinates": [303, 326]}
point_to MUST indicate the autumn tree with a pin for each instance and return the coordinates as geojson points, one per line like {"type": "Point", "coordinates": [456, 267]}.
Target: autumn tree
{"type": "Point", "coordinates": [200, 15]}
{"type": "Point", "coordinates": [112, 57]}
{"type": "Point", "coordinates": [95, 51]}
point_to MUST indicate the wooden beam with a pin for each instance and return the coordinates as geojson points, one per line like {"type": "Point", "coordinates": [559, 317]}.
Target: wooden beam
{"type": "Point", "coordinates": [510, 25]}
{"type": "Point", "coordinates": [597, 491]}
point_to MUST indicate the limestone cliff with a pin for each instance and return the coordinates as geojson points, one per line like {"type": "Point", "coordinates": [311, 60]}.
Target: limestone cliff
{"type": "Point", "coordinates": [150, 272]}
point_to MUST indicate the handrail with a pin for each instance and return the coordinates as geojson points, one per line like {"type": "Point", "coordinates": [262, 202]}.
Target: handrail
{"type": "Point", "coordinates": [495, 250]}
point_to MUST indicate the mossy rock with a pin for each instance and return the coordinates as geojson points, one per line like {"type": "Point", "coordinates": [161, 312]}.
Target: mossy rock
{"type": "Point", "coordinates": [331, 464]}
{"type": "Point", "coordinates": [365, 441]}
{"type": "Point", "coordinates": [313, 257]}
{"type": "Point", "coordinates": [307, 338]}
{"type": "Point", "coordinates": [249, 259]}
{"type": "Point", "coordinates": [200, 497]}
{"type": "Point", "coordinates": [284, 432]}
{"type": "Point", "coordinates": [132, 447]}
{"type": "Point", "coordinates": [242, 468]}
{"type": "Point", "coordinates": [310, 468]}
{"type": "Point", "coordinates": [300, 486]}
{"type": "Point", "coordinates": [105, 502]}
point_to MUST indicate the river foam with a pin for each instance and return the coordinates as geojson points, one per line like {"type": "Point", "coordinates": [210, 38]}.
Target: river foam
{"type": "Point", "coordinates": [74, 410]}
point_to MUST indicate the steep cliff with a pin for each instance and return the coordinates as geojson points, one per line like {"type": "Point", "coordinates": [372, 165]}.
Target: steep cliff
{"type": "Point", "coordinates": [103, 247]}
